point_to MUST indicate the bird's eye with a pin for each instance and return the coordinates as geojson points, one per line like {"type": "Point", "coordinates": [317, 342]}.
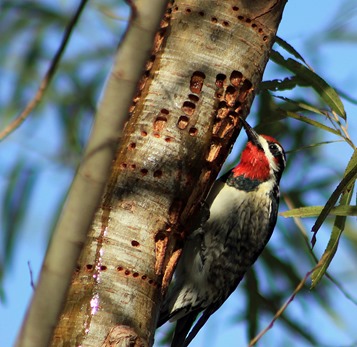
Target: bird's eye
{"type": "Point", "coordinates": [278, 153]}
{"type": "Point", "coordinates": [273, 147]}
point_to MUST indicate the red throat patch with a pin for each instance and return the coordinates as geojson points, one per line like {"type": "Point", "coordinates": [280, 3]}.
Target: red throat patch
{"type": "Point", "coordinates": [253, 164]}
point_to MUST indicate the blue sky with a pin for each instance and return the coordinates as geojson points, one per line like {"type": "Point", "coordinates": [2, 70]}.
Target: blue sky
{"type": "Point", "coordinates": [302, 26]}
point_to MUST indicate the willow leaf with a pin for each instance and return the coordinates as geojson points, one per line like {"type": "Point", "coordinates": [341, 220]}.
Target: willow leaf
{"type": "Point", "coordinates": [346, 184]}
{"type": "Point", "coordinates": [327, 93]}
{"type": "Point", "coordinates": [311, 122]}
{"type": "Point", "coordinates": [302, 105]}
{"type": "Point", "coordinates": [332, 245]}
{"type": "Point", "coordinates": [313, 211]}
{"type": "Point", "coordinates": [345, 189]}
{"type": "Point", "coordinates": [290, 49]}
{"type": "Point", "coordinates": [287, 83]}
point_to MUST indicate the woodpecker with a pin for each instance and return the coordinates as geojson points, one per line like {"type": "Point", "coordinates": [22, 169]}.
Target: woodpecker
{"type": "Point", "coordinates": [243, 209]}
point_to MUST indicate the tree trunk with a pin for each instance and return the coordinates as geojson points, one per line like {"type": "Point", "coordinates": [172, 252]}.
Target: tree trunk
{"type": "Point", "coordinates": [92, 175]}
{"type": "Point", "coordinates": [207, 62]}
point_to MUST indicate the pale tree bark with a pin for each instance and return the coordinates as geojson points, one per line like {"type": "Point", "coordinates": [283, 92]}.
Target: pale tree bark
{"type": "Point", "coordinates": [207, 62]}
{"type": "Point", "coordinates": [89, 183]}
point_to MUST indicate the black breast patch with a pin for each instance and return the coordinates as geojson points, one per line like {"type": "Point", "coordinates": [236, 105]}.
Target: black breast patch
{"type": "Point", "coordinates": [241, 182]}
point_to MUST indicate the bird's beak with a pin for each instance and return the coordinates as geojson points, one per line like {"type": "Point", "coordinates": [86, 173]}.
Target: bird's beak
{"type": "Point", "coordinates": [251, 133]}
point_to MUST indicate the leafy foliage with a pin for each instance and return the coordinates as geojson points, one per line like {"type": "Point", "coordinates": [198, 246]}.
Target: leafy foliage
{"type": "Point", "coordinates": [312, 115]}
{"type": "Point", "coordinates": [301, 109]}
{"type": "Point", "coordinates": [66, 111]}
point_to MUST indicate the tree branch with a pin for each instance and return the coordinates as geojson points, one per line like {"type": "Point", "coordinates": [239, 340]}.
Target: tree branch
{"type": "Point", "coordinates": [88, 185]}
{"type": "Point", "coordinates": [48, 76]}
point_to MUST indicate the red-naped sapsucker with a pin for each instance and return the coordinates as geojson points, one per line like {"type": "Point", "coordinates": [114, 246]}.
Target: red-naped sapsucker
{"type": "Point", "coordinates": [243, 208]}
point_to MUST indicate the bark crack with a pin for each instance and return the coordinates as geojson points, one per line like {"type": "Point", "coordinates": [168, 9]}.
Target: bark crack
{"type": "Point", "coordinates": [267, 11]}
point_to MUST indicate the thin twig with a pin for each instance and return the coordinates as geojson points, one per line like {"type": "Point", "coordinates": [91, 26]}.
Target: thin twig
{"type": "Point", "coordinates": [301, 227]}
{"type": "Point", "coordinates": [291, 298]}
{"type": "Point", "coordinates": [282, 308]}
{"type": "Point", "coordinates": [48, 76]}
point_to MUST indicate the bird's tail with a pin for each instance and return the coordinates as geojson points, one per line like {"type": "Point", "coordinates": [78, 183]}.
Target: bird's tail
{"type": "Point", "coordinates": [183, 326]}
{"type": "Point", "coordinates": [200, 323]}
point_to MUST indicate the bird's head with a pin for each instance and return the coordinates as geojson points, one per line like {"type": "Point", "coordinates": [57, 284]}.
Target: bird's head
{"type": "Point", "coordinates": [262, 159]}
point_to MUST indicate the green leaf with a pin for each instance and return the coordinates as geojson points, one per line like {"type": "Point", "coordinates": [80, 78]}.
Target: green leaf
{"type": "Point", "coordinates": [290, 49]}
{"type": "Point", "coordinates": [287, 83]}
{"type": "Point", "coordinates": [327, 93]}
{"type": "Point", "coordinates": [302, 105]}
{"type": "Point", "coordinates": [313, 211]}
{"type": "Point", "coordinates": [345, 189]}
{"type": "Point", "coordinates": [313, 145]}
{"type": "Point", "coordinates": [310, 121]}
{"type": "Point", "coordinates": [346, 184]}
{"type": "Point", "coordinates": [332, 245]}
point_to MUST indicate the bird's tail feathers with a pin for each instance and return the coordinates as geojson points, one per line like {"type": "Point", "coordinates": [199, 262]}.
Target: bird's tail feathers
{"type": "Point", "coordinates": [183, 326]}
{"type": "Point", "coordinates": [200, 323]}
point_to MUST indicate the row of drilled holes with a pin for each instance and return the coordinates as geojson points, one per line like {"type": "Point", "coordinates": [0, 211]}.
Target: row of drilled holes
{"type": "Point", "coordinates": [90, 268]}
{"type": "Point", "coordinates": [226, 23]}
{"type": "Point", "coordinates": [201, 13]}
{"type": "Point", "coordinates": [143, 171]}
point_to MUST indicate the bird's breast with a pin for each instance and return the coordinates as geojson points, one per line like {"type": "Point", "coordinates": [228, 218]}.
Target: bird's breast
{"type": "Point", "coordinates": [236, 232]}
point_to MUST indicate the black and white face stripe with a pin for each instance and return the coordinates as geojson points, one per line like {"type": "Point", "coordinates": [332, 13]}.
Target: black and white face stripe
{"type": "Point", "coordinates": [278, 158]}
{"type": "Point", "coordinates": [278, 152]}
{"type": "Point", "coordinates": [275, 155]}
